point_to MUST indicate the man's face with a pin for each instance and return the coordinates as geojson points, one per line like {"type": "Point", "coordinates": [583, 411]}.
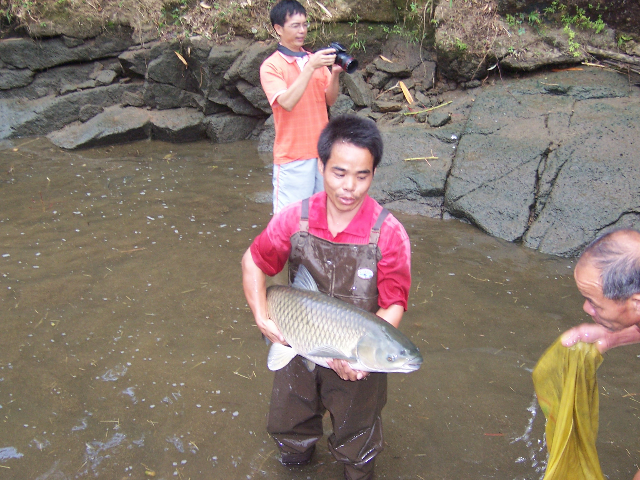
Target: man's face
{"type": "Point", "coordinates": [611, 314]}
{"type": "Point", "coordinates": [293, 32]}
{"type": "Point", "coordinates": [347, 176]}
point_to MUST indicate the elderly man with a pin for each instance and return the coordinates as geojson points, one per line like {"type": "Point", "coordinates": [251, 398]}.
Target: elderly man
{"type": "Point", "coordinates": [608, 277]}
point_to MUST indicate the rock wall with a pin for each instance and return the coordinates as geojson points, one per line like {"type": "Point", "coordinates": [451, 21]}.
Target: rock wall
{"type": "Point", "coordinates": [83, 93]}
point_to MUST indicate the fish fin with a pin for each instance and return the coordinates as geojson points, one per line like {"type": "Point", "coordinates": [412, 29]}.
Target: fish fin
{"type": "Point", "coordinates": [310, 365]}
{"type": "Point", "coordinates": [279, 356]}
{"type": "Point", "coordinates": [329, 352]}
{"type": "Point", "coordinates": [304, 280]}
{"type": "Point", "coordinates": [266, 340]}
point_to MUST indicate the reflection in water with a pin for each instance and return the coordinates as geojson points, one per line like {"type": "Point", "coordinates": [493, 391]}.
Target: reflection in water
{"type": "Point", "coordinates": [127, 346]}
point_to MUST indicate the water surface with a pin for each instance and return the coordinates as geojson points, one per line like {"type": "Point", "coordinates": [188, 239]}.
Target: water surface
{"type": "Point", "coordinates": [126, 345]}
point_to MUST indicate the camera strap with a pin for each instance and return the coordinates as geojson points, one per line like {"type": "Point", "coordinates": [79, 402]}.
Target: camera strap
{"type": "Point", "coordinates": [285, 51]}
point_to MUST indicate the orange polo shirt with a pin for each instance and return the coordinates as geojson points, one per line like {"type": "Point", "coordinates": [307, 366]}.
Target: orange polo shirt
{"type": "Point", "coordinates": [297, 131]}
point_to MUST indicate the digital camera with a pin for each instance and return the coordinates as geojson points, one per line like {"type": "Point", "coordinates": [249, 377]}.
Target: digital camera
{"type": "Point", "coordinates": [343, 59]}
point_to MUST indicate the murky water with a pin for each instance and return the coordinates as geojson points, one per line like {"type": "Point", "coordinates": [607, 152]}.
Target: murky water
{"type": "Point", "coordinates": [127, 348]}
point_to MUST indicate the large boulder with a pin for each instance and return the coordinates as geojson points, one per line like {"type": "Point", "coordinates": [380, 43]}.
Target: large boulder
{"type": "Point", "coordinates": [126, 124]}
{"type": "Point", "coordinates": [45, 115]}
{"type": "Point", "coordinates": [114, 125]}
{"type": "Point", "coordinates": [255, 96]}
{"type": "Point", "coordinates": [168, 68]}
{"type": "Point", "coordinates": [56, 79]}
{"type": "Point", "coordinates": [415, 165]}
{"type": "Point", "coordinates": [234, 102]}
{"type": "Point", "coordinates": [218, 62]}
{"type": "Point", "coordinates": [136, 60]}
{"type": "Point", "coordinates": [267, 136]}
{"type": "Point", "coordinates": [179, 125]}
{"type": "Point", "coordinates": [39, 55]}
{"type": "Point", "coordinates": [226, 128]}
{"type": "Point", "coordinates": [550, 163]}
{"type": "Point", "coordinates": [358, 89]}
{"type": "Point", "coordinates": [164, 96]}
{"type": "Point", "coordinates": [492, 182]}
{"type": "Point", "coordinates": [247, 65]}
{"type": "Point", "coordinates": [15, 78]}
{"type": "Point", "coordinates": [595, 178]}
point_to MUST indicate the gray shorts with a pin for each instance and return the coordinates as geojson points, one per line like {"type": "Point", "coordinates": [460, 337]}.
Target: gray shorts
{"type": "Point", "coordinates": [295, 181]}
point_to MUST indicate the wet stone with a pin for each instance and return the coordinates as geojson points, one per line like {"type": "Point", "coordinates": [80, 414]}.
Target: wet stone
{"type": "Point", "coordinates": [395, 69]}
{"type": "Point", "coordinates": [385, 107]}
{"type": "Point", "coordinates": [89, 111]}
{"type": "Point", "coordinates": [439, 118]}
{"type": "Point", "coordinates": [106, 77]}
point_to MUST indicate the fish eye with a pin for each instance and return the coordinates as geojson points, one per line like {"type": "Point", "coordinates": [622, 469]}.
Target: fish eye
{"type": "Point", "coordinates": [403, 352]}
{"type": "Point", "coordinates": [392, 358]}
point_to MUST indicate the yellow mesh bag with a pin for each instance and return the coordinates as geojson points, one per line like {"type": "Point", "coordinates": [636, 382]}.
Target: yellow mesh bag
{"type": "Point", "coordinates": [567, 390]}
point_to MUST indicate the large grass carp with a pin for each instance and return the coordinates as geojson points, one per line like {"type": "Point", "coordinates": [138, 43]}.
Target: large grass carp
{"type": "Point", "coordinates": [320, 328]}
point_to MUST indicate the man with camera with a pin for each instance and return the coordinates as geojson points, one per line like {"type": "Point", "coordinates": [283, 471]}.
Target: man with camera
{"type": "Point", "coordinates": [299, 86]}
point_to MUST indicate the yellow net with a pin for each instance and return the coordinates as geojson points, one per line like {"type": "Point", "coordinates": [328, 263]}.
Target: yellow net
{"type": "Point", "coordinates": [567, 390]}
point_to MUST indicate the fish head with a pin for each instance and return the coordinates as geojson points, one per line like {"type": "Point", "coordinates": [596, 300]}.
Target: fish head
{"type": "Point", "coordinates": [387, 350]}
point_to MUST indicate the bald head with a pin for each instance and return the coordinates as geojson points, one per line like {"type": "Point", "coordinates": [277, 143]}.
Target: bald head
{"type": "Point", "coordinates": [617, 256]}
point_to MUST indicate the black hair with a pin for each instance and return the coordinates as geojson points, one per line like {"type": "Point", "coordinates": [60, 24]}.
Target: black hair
{"type": "Point", "coordinates": [617, 256]}
{"type": "Point", "coordinates": [353, 129]}
{"type": "Point", "coordinates": [284, 9]}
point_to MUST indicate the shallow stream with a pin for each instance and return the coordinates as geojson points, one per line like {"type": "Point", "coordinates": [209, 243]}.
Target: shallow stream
{"type": "Point", "coordinates": [127, 349]}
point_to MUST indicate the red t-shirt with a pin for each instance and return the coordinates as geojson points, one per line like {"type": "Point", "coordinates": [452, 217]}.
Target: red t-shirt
{"type": "Point", "coordinates": [270, 250]}
{"type": "Point", "coordinates": [297, 131]}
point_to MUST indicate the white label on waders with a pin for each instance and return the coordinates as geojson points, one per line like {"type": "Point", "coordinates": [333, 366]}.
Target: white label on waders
{"type": "Point", "coordinates": [365, 273]}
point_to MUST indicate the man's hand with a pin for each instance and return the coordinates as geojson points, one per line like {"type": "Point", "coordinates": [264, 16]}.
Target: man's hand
{"type": "Point", "coordinates": [605, 339]}
{"type": "Point", "coordinates": [344, 370]}
{"type": "Point", "coordinates": [587, 333]}
{"type": "Point", "coordinates": [271, 331]}
{"type": "Point", "coordinates": [322, 58]}
{"type": "Point", "coordinates": [293, 94]}
{"type": "Point", "coordinates": [254, 284]}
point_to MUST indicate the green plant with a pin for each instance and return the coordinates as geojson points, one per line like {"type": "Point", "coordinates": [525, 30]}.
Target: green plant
{"type": "Point", "coordinates": [413, 36]}
{"type": "Point", "coordinates": [356, 43]}
{"type": "Point", "coordinates": [599, 24]}
{"type": "Point", "coordinates": [518, 21]}
{"type": "Point", "coordinates": [460, 45]}
{"type": "Point", "coordinates": [574, 47]}
{"type": "Point", "coordinates": [580, 19]}
{"type": "Point", "coordinates": [622, 39]}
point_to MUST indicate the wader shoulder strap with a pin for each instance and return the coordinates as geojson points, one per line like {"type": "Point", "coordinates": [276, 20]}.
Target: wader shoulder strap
{"type": "Point", "coordinates": [374, 236]}
{"type": "Point", "coordinates": [304, 223]}
{"type": "Point", "coordinates": [304, 216]}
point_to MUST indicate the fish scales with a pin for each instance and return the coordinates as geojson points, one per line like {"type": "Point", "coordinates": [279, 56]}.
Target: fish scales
{"type": "Point", "coordinates": [308, 319]}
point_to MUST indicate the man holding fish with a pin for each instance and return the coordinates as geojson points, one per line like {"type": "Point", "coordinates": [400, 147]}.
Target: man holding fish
{"type": "Point", "coordinates": [355, 251]}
